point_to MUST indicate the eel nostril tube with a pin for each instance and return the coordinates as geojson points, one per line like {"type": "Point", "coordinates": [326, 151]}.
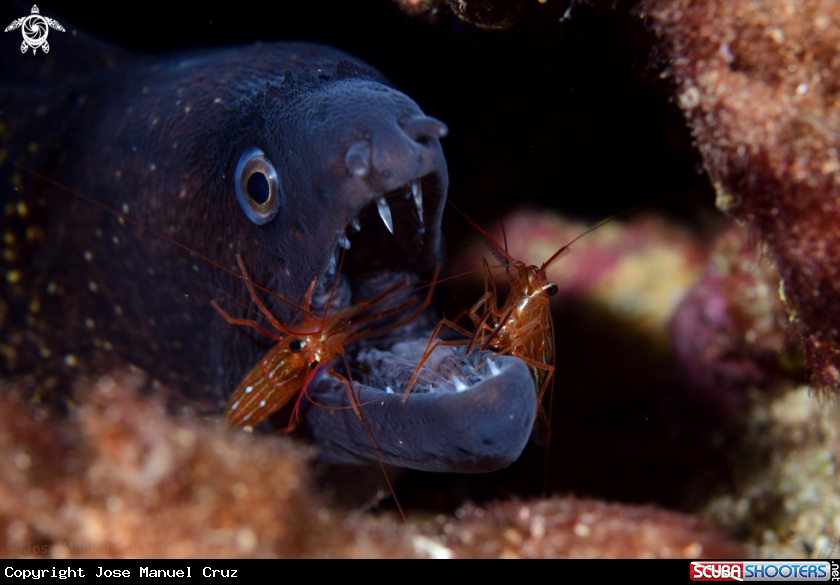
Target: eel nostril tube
{"type": "Point", "coordinates": [357, 159]}
{"type": "Point", "coordinates": [422, 128]}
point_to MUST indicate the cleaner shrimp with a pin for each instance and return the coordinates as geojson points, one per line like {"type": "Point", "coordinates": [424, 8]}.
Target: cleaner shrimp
{"type": "Point", "coordinates": [304, 351]}
{"type": "Point", "coordinates": [522, 326]}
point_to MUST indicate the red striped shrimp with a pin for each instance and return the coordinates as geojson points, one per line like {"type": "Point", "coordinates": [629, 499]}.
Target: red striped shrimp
{"type": "Point", "coordinates": [303, 352]}
{"type": "Point", "coordinates": [522, 326]}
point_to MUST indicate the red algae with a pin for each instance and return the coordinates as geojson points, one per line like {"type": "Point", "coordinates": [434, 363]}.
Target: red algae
{"type": "Point", "coordinates": [730, 330]}
{"type": "Point", "coordinates": [577, 528]}
{"type": "Point", "coordinates": [759, 85]}
{"type": "Point", "coordinates": [121, 478]}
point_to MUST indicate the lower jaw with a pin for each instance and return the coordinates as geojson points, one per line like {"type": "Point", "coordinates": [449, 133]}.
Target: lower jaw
{"type": "Point", "coordinates": [465, 415]}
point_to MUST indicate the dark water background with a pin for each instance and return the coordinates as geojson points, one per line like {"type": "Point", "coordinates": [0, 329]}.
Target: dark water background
{"type": "Point", "coordinates": [566, 115]}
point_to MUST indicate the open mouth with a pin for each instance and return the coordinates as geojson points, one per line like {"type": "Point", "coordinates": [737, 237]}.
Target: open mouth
{"type": "Point", "coordinates": [383, 243]}
{"type": "Point", "coordinates": [464, 412]}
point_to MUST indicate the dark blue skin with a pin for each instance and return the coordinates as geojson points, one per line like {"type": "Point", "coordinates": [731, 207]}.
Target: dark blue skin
{"type": "Point", "coordinates": [160, 139]}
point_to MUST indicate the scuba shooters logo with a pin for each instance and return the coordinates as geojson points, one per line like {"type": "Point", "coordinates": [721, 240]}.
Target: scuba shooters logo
{"type": "Point", "coordinates": [765, 571]}
{"type": "Point", "coordinates": [35, 29]}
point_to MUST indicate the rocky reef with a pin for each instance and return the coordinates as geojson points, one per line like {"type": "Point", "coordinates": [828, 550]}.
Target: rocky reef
{"type": "Point", "coordinates": [730, 331]}
{"type": "Point", "coordinates": [785, 502]}
{"type": "Point", "coordinates": [758, 82]}
{"type": "Point", "coordinates": [123, 479]}
{"type": "Point", "coordinates": [496, 15]}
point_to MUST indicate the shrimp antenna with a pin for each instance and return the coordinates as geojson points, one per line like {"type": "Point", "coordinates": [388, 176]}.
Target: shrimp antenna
{"type": "Point", "coordinates": [559, 252]}
{"type": "Point", "coordinates": [500, 252]}
{"type": "Point", "coordinates": [332, 291]}
{"type": "Point", "coordinates": [501, 222]}
{"type": "Point", "coordinates": [354, 397]}
{"type": "Point", "coordinates": [337, 275]}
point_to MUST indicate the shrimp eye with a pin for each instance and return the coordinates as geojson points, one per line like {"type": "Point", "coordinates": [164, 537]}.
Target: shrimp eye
{"type": "Point", "coordinates": [551, 289]}
{"type": "Point", "coordinates": [315, 361]}
{"type": "Point", "coordinates": [295, 345]}
{"type": "Point", "coordinates": [257, 186]}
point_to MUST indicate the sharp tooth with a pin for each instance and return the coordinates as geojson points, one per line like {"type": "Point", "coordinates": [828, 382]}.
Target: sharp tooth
{"type": "Point", "coordinates": [331, 265]}
{"type": "Point", "coordinates": [494, 369]}
{"type": "Point", "coordinates": [343, 241]}
{"type": "Point", "coordinates": [417, 193]}
{"type": "Point", "coordinates": [389, 390]}
{"type": "Point", "coordinates": [459, 385]}
{"type": "Point", "coordinates": [385, 214]}
{"type": "Point", "coordinates": [354, 223]}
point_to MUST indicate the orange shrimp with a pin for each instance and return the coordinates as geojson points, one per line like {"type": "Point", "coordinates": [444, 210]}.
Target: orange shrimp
{"type": "Point", "coordinates": [522, 326]}
{"type": "Point", "coordinates": [303, 352]}
{"type": "Point", "coordinates": [323, 341]}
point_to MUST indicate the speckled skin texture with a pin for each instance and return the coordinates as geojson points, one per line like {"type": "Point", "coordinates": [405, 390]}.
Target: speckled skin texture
{"type": "Point", "coordinates": [758, 82]}
{"type": "Point", "coordinates": [159, 141]}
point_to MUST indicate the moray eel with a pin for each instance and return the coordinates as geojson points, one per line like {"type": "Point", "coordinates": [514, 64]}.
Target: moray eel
{"type": "Point", "coordinates": [282, 153]}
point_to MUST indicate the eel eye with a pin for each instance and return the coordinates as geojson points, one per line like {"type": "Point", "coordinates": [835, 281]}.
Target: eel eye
{"type": "Point", "coordinates": [551, 289]}
{"type": "Point", "coordinates": [295, 345]}
{"type": "Point", "coordinates": [257, 186]}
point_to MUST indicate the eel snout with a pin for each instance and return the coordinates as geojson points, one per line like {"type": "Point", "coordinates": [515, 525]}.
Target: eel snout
{"type": "Point", "coordinates": [410, 149]}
